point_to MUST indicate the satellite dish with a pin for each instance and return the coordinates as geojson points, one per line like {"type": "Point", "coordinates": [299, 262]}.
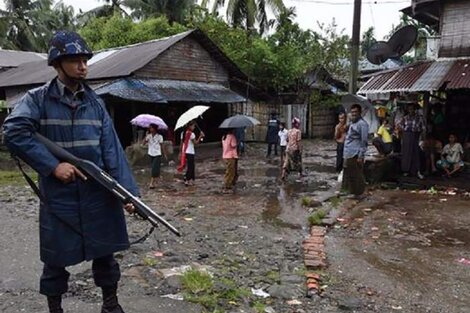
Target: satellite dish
{"type": "Point", "coordinates": [403, 40]}
{"type": "Point", "coordinates": [379, 53]}
{"type": "Point", "coordinates": [399, 43]}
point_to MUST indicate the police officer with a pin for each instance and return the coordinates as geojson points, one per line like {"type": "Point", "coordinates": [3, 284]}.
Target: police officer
{"type": "Point", "coordinates": [272, 137]}
{"type": "Point", "coordinates": [79, 219]}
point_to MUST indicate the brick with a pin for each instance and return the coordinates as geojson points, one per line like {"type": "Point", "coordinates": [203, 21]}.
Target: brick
{"type": "Point", "coordinates": [311, 275]}
{"type": "Point", "coordinates": [315, 263]}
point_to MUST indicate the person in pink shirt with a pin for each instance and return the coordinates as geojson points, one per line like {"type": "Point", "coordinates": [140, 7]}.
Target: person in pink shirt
{"type": "Point", "coordinates": [230, 156]}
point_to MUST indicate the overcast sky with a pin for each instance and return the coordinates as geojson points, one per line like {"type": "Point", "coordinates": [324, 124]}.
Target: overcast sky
{"type": "Point", "coordinates": [381, 14]}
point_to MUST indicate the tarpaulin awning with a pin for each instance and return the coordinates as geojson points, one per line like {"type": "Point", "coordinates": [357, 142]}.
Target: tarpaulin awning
{"type": "Point", "coordinates": [190, 91]}
{"type": "Point", "coordinates": [131, 89]}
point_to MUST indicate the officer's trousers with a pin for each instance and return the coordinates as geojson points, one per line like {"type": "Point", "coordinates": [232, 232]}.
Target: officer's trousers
{"type": "Point", "coordinates": [54, 280]}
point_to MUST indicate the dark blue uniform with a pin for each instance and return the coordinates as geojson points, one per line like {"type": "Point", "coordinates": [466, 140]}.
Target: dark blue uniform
{"type": "Point", "coordinates": [80, 220]}
{"type": "Point", "coordinates": [272, 137]}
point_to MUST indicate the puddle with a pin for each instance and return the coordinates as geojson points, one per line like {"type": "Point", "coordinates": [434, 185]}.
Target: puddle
{"type": "Point", "coordinates": [284, 210]}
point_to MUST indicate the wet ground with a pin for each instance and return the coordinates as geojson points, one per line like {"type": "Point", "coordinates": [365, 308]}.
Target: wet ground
{"type": "Point", "coordinates": [393, 251]}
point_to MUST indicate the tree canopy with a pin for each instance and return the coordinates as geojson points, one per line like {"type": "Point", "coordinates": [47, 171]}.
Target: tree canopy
{"type": "Point", "coordinates": [277, 61]}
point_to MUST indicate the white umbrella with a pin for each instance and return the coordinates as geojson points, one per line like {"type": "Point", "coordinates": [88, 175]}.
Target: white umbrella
{"type": "Point", "coordinates": [190, 115]}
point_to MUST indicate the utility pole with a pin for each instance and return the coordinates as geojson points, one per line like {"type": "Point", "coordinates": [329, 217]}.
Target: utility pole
{"type": "Point", "coordinates": [356, 33]}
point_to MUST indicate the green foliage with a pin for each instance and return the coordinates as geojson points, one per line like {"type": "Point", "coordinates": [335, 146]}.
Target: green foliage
{"type": "Point", "coordinates": [28, 25]}
{"type": "Point", "coordinates": [316, 217]}
{"type": "Point", "coordinates": [259, 306]}
{"type": "Point", "coordinates": [14, 178]}
{"type": "Point", "coordinates": [199, 287]}
{"type": "Point", "coordinates": [196, 282]}
{"type": "Point", "coordinates": [115, 31]}
{"type": "Point", "coordinates": [321, 100]}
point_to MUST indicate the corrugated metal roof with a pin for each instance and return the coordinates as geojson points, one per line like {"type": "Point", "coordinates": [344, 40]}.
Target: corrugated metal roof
{"type": "Point", "coordinates": [458, 77]}
{"type": "Point", "coordinates": [376, 82]}
{"type": "Point", "coordinates": [12, 58]}
{"type": "Point", "coordinates": [188, 91]}
{"type": "Point", "coordinates": [117, 62]}
{"type": "Point", "coordinates": [159, 91]}
{"type": "Point", "coordinates": [405, 77]}
{"type": "Point", "coordinates": [432, 78]}
{"type": "Point", "coordinates": [131, 89]}
{"type": "Point", "coordinates": [109, 63]}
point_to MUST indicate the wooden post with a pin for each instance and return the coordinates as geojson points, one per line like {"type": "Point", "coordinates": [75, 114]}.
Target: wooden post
{"type": "Point", "coordinates": [356, 33]}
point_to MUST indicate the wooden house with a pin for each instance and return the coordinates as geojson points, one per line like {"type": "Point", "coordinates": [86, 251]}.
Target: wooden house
{"type": "Point", "coordinates": [163, 77]}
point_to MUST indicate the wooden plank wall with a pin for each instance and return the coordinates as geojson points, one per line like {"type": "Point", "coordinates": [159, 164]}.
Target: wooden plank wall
{"type": "Point", "coordinates": [455, 29]}
{"type": "Point", "coordinates": [186, 60]}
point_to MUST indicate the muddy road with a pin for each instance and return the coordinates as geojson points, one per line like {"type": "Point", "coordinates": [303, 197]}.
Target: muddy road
{"type": "Point", "coordinates": [244, 249]}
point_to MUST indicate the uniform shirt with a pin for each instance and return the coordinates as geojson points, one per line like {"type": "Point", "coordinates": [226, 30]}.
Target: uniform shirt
{"type": "Point", "coordinates": [383, 132]}
{"type": "Point", "coordinates": [283, 137]}
{"type": "Point", "coordinates": [453, 153]}
{"type": "Point", "coordinates": [154, 142]}
{"type": "Point", "coordinates": [356, 139]}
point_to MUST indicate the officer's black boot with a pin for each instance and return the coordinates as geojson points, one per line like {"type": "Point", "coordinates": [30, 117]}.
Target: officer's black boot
{"type": "Point", "coordinates": [55, 304]}
{"type": "Point", "coordinates": [110, 300]}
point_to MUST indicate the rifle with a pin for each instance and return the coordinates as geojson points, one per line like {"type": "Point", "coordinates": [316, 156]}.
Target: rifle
{"type": "Point", "coordinates": [108, 182]}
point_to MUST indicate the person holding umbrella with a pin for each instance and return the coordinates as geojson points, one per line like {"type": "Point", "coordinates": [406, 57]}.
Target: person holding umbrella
{"type": "Point", "coordinates": [154, 141]}
{"type": "Point", "coordinates": [187, 152]}
{"type": "Point", "coordinates": [230, 156]}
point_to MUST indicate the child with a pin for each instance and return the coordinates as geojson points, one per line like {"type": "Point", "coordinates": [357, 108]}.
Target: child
{"type": "Point", "coordinates": [383, 140]}
{"type": "Point", "coordinates": [154, 141]}
{"type": "Point", "coordinates": [282, 140]}
{"type": "Point", "coordinates": [451, 158]}
{"type": "Point", "coordinates": [340, 135]}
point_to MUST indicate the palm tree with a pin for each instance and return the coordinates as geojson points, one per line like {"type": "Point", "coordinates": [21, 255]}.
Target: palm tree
{"type": "Point", "coordinates": [174, 10]}
{"type": "Point", "coordinates": [28, 24]}
{"type": "Point", "coordinates": [109, 8]}
{"type": "Point", "coordinates": [248, 13]}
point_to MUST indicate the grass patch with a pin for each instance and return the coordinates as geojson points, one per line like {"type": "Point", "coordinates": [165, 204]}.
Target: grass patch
{"type": "Point", "coordinates": [306, 201]}
{"type": "Point", "coordinates": [195, 281]}
{"type": "Point", "coordinates": [274, 276]}
{"type": "Point", "coordinates": [15, 178]}
{"type": "Point", "coordinates": [199, 287]}
{"type": "Point", "coordinates": [259, 306]}
{"type": "Point", "coordinates": [316, 217]}
{"type": "Point", "coordinates": [148, 261]}
{"type": "Point", "coordinates": [335, 201]}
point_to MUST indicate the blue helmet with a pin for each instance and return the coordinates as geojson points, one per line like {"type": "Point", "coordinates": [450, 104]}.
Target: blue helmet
{"type": "Point", "coordinates": [65, 43]}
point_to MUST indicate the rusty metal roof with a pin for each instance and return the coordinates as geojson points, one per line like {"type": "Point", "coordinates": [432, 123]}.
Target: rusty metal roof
{"type": "Point", "coordinates": [458, 77]}
{"type": "Point", "coordinates": [13, 58]}
{"type": "Point", "coordinates": [117, 62]}
{"type": "Point", "coordinates": [432, 78]}
{"type": "Point", "coordinates": [451, 73]}
{"type": "Point", "coordinates": [374, 84]}
{"type": "Point", "coordinates": [405, 78]}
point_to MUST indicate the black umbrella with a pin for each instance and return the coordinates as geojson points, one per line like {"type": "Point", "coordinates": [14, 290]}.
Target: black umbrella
{"type": "Point", "coordinates": [238, 121]}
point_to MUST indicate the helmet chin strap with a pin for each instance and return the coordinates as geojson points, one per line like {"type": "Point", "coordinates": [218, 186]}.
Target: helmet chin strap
{"type": "Point", "coordinates": [70, 79]}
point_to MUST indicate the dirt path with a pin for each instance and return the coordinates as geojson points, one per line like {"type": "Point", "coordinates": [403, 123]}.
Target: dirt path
{"type": "Point", "coordinates": [250, 242]}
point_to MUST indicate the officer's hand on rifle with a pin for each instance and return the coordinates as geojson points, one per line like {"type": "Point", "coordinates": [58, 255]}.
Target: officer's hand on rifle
{"type": "Point", "coordinates": [66, 173]}
{"type": "Point", "coordinates": [129, 207]}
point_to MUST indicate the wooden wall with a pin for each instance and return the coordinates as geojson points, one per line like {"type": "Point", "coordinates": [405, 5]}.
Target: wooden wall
{"type": "Point", "coordinates": [186, 60]}
{"type": "Point", "coordinates": [455, 29]}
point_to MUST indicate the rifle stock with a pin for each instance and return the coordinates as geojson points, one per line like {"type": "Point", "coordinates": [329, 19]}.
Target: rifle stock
{"type": "Point", "coordinates": [107, 182]}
